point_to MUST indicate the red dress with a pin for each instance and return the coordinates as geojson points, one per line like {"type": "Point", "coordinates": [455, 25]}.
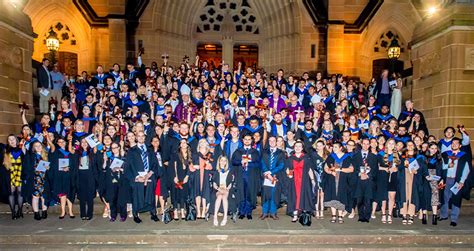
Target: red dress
{"type": "Point", "coordinates": [297, 178]}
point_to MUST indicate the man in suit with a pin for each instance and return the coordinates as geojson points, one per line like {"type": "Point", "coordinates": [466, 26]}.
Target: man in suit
{"type": "Point", "coordinates": [382, 89]}
{"type": "Point", "coordinates": [365, 165]}
{"type": "Point", "coordinates": [273, 160]}
{"type": "Point", "coordinates": [142, 173]}
{"type": "Point", "coordinates": [45, 85]}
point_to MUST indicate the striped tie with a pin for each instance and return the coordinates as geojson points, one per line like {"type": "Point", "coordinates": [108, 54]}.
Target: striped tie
{"type": "Point", "coordinates": [144, 158]}
{"type": "Point", "coordinates": [272, 158]}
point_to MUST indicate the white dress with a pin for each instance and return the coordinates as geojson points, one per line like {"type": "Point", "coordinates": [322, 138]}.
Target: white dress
{"type": "Point", "coordinates": [396, 103]}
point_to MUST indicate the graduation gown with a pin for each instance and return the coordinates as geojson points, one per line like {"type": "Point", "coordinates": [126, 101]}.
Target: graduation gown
{"type": "Point", "coordinates": [416, 183]}
{"type": "Point", "coordinates": [143, 197]}
{"type": "Point", "coordinates": [382, 180]}
{"type": "Point", "coordinates": [246, 178]}
{"type": "Point", "coordinates": [230, 181]}
{"type": "Point", "coordinates": [300, 189]}
{"type": "Point", "coordinates": [62, 182]}
{"type": "Point", "coordinates": [117, 184]}
{"type": "Point", "coordinates": [463, 159]}
{"type": "Point", "coordinates": [337, 189]}
{"type": "Point", "coordinates": [180, 193]}
{"type": "Point", "coordinates": [85, 178]}
{"type": "Point", "coordinates": [276, 170]}
{"type": "Point", "coordinates": [29, 179]}
{"type": "Point", "coordinates": [364, 188]}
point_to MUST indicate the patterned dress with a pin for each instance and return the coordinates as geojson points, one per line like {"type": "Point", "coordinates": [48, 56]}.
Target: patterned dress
{"type": "Point", "coordinates": [15, 169]}
{"type": "Point", "coordinates": [39, 180]}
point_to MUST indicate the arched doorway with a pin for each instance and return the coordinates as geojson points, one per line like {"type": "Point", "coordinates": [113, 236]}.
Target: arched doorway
{"type": "Point", "coordinates": [210, 53]}
{"type": "Point", "coordinates": [379, 65]}
{"type": "Point", "coordinates": [247, 55]}
{"type": "Point", "coordinates": [67, 62]}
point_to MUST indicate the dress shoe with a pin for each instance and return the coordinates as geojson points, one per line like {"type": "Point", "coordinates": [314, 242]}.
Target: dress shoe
{"type": "Point", "coordinates": [249, 217]}
{"type": "Point", "coordinates": [72, 216]}
{"type": "Point", "coordinates": [424, 221]}
{"type": "Point", "coordinates": [263, 216]}
{"type": "Point", "coordinates": [434, 219]}
{"type": "Point", "coordinates": [44, 215]}
{"type": "Point", "coordinates": [112, 219]}
{"type": "Point", "coordinates": [241, 217]}
{"type": "Point", "coordinates": [154, 218]}
{"type": "Point", "coordinates": [122, 219]}
{"type": "Point", "coordinates": [37, 216]}
{"type": "Point", "coordinates": [137, 219]}
{"type": "Point", "coordinates": [442, 219]}
{"type": "Point", "coordinates": [61, 217]}
{"type": "Point", "coordinates": [274, 217]}
{"type": "Point", "coordinates": [453, 224]}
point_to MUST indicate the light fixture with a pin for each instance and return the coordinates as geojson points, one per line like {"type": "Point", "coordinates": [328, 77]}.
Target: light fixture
{"type": "Point", "coordinates": [52, 41]}
{"type": "Point", "coordinates": [431, 11]}
{"type": "Point", "coordinates": [393, 51]}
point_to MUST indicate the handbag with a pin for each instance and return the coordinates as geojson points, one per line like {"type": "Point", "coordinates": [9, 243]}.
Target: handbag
{"type": "Point", "coordinates": [305, 219]}
{"type": "Point", "coordinates": [167, 217]}
{"type": "Point", "coordinates": [190, 210]}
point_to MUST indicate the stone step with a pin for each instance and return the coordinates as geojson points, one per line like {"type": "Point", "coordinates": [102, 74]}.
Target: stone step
{"type": "Point", "coordinates": [183, 237]}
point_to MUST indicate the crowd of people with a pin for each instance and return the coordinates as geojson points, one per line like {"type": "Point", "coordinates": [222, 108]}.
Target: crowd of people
{"type": "Point", "coordinates": [192, 143]}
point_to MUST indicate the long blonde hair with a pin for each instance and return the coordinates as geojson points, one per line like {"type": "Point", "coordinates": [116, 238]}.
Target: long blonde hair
{"type": "Point", "coordinates": [396, 157]}
{"type": "Point", "coordinates": [219, 167]}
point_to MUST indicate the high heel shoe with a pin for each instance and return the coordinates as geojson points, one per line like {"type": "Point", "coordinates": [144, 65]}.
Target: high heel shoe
{"type": "Point", "coordinates": [340, 220]}
{"type": "Point", "coordinates": [384, 218]}
{"type": "Point", "coordinates": [62, 216]}
{"type": "Point", "coordinates": [434, 219]}
{"type": "Point", "coordinates": [410, 220]}
{"type": "Point", "coordinates": [389, 219]}
{"type": "Point", "coordinates": [44, 215]}
{"type": "Point", "coordinates": [424, 221]}
{"type": "Point", "coordinates": [333, 219]}
{"type": "Point", "coordinates": [37, 216]}
{"type": "Point", "coordinates": [404, 220]}
{"type": "Point", "coordinates": [295, 218]}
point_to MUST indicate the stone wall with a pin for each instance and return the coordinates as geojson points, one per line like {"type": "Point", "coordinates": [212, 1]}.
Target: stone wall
{"type": "Point", "coordinates": [16, 43]}
{"type": "Point", "coordinates": [443, 68]}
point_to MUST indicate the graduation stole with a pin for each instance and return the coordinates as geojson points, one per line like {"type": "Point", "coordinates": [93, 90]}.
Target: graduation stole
{"type": "Point", "coordinates": [88, 118]}
{"type": "Point", "coordinates": [178, 136]}
{"type": "Point", "coordinates": [338, 161]}
{"type": "Point", "coordinates": [101, 79]}
{"type": "Point", "coordinates": [327, 135]}
{"type": "Point", "coordinates": [275, 131]}
{"type": "Point", "coordinates": [453, 156]}
{"type": "Point", "coordinates": [16, 153]}
{"type": "Point", "coordinates": [433, 160]}
{"type": "Point", "coordinates": [252, 130]}
{"type": "Point", "coordinates": [370, 136]}
{"type": "Point", "coordinates": [388, 133]}
{"type": "Point", "coordinates": [384, 117]}
{"type": "Point", "coordinates": [328, 99]}
{"type": "Point", "coordinates": [445, 142]}
{"type": "Point", "coordinates": [64, 152]}
{"type": "Point", "coordinates": [79, 134]}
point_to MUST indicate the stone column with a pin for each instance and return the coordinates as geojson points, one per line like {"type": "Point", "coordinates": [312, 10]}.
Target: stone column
{"type": "Point", "coordinates": [117, 40]}
{"type": "Point", "coordinates": [228, 51]}
{"type": "Point", "coordinates": [16, 49]}
{"type": "Point", "coordinates": [443, 68]}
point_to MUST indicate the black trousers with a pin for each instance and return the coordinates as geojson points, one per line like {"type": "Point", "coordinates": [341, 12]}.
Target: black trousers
{"type": "Point", "coordinates": [384, 99]}
{"type": "Point", "coordinates": [364, 206]}
{"type": "Point", "coordinates": [116, 206]}
{"type": "Point", "coordinates": [87, 207]}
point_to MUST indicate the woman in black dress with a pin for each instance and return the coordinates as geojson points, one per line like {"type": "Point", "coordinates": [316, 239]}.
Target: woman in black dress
{"type": "Point", "coordinates": [319, 156]}
{"type": "Point", "coordinates": [63, 176]}
{"type": "Point", "coordinates": [117, 185]}
{"type": "Point", "coordinates": [200, 172]}
{"type": "Point", "coordinates": [82, 161]}
{"type": "Point", "coordinates": [387, 184]}
{"type": "Point", "coordinates": [161, 191]}
{"type": "Point", "coordinates": [338, 170]}
{"type": "Point", "coordinates": [179, 165]}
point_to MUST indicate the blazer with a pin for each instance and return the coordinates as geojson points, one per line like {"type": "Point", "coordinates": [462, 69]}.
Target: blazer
{"type": "Point", "coordinates": [44, 79]}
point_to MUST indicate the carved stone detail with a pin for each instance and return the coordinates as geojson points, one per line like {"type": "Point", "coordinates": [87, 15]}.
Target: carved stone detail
{"type": "Point", "coordinates": [430, 64]}
{"type": "Point", "coordinates": [469, 58]}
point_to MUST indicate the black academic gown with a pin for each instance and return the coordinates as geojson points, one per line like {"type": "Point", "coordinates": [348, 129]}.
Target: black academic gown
{"type": "Point", "coordinates": [143, 197]}
{"type": "Point", "coordinates": [417, 184]}
{"type": "Point", "coordinates": [179, 193]}
{"type": "Point", "coordinates": [63, 182]}
{"type": "Point", "coordinates": [307, 199]}
{"type": "Point", "coordinates": [337, 191]}
{"type": "Point", "coordinates": [364, 188]}
{"type": "Point", "coordinates": [230, 181]}
{"type": "Point", "coordinates": [117, 184]}
{"type": "Point", "coordinates": [28, 179]}
{"type": "Point", "coordinates": [85, 179]}
{"type": "Point", "coordinates": [249, 175]}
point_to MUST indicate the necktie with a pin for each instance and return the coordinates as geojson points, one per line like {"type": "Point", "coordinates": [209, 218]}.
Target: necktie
{"type": "Point", "coordinates": [144, 158]}
{"type": "Point", "coordinates": [364, 156]}
{"type": "Point", "coordinates": [272, 158]}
